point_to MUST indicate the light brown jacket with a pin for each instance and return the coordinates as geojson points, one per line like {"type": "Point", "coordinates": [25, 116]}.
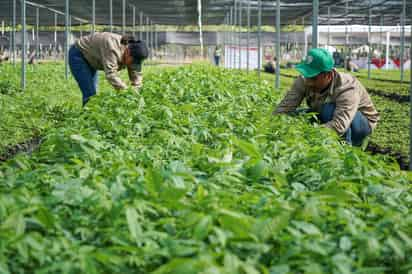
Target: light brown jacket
{"type": "Point", "coordinates": [104, 51]}
{"type": "Point", "coordinates": [346, 92]}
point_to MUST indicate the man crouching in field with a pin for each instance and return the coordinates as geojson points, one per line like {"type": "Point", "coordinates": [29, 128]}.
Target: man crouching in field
{"type": "Point", "coordinates": [340, 100]}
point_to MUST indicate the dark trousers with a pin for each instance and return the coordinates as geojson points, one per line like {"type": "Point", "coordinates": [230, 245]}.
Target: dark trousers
{"type": "Point", "coordinates": [358, 130]}
{"type": "Point", "coordinates": [217, 60]}
{"type": "Point", "coordinates": [85, 75]}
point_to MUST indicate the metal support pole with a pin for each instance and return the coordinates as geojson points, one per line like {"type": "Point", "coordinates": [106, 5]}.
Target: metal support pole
{"type": "Point", "coordinates": [248, 36]}
{"type": "Point", "coordinates": [305, 50]}
{"type": "Point", "coordinates": [235, 36]}
{"type": "Point", "coordinates": [346, 33]}
{"type": "Point", "coordinates": [388, 41]}
{"type": "Point", "coordinates": [328, 26]}
{"type": "Point", "coordinates": [151, 39]}
{"type": "Point", "coordinates": [147, 30]}
{"type": "Point", "coordinates": [240, 35]}
{"type": "Point", "coordinates": [156, 45]}
{"type": "Point", "coordinates": [111, 15]}
{"type": "Point", "coordinates": [200, 15]}
{"type": "Point", "coordinates": [259, 35]}
{"type": "Point", "coordinates": [295, 38]}
{"type": "Point", "coordinates": [14, 34]}
{"type": "Point", "coordinates": [66, 37]}
{"type": "Point", "coordinates": [134, 21]}
{"type": "Point", "coordinates": [231, 38]}
{"type": "Point", "coordinates": [410, 105]}
{"type": "Point", "coordinates": [402, 59]}
{"type": "Point", "coordinates": [225, 40]}
{"type": "Point", "coordinates": [315, 24]}
{"type": "Point", "coordinates": [141, 26]}
{"type": "Point", "coordinates": [24, 45]}
{"type": "Point", "coordinates": [37, 44]}
{"type": "Point", "coordinates": [381, 34]}
{"type": "Point", "coordinates": [55, 36]}
{"type": "Point", "coordinates": [10, 40]}
{"type": "Point", "coordinates": [124, 17]}
{"type": "Point", "coordinates": [93, 16]}
{"type": "Point", "coordinates": [369, 40]}
{"type": "Point", "coordinates": [277, 44]}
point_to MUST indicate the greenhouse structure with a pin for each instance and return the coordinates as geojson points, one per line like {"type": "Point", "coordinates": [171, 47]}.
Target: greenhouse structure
{"type": "Point", "coordinates": [189, 136]}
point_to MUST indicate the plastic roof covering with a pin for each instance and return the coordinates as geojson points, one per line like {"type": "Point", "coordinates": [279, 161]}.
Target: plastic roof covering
{"type": "Point", "coordinates": [184, 12]}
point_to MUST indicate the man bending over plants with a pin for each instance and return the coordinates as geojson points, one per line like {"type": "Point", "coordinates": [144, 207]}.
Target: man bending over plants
{"type": "Point", "coordinates": [108, 52]}
{"type": "Point", "coordinates": [340, 100]}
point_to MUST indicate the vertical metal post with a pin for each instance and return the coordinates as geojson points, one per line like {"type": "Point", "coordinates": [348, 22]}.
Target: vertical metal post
{"type": "Point", "coordinates": [305, 49]}
{"type": "Point", "coordinates": [235, 19]}
{"type": "Point", "coordinates": [231, 50]}
{"type": "Point", "coordinates": [24, 46]}
{"type": "Point", "coordinates": [388, 41]}
{"type": "Point", "coordinates": [55, 30]}
{"type": "Point", "coordinates": [111, 15]}
{"type": "Point", "coordinates": [155, 41]}
{"type": "Point", "coordinates": [369, 40]}
{"type": "Point", "coordinates": [240, 34]}
{"type": "Point", "coordinates": [295, 38]}
{"type": "Point", "coordinates": [10, 40]}
{"type": "Point", "coordinates": [248, 36]}
{"type": "Point", "coordinates": [66, 37]}
{"type": "Point", "coordinates": [381, 34]}
{"type": "Point", "coordinates": [141, 26]}
{"type": "Point", "coordinates": [147, 30]}
{"type": "Point", "coordinates": [37, 52]}
{"type": "Point", "coordinates": [14, 34]}
{"type": "Point", "coordinates": [315, 16]}
{"type": "Point", "coordinates": [93, 16]}
{"type": "Point", "coordinates": [329, 26]}
{"type": "Point", "coordinates": [151, 39]}
{"type": "Point", "coordinates": [346, 32]}
{"type": "Point", "coordinates": [134, 21]}
{"type": "Point", "coordinates": [55, 35]}
{"type": "Point", "coordinates": [200, 15]}
{"type": "Point", "coordinates": [402, 59]}
{"type": "Point", "coordinates": [124, 17]}
{"type": "Point", "coordinates": [259, 36]}
{"type": "Point", "coordinates": [225, 39]}
{"type": "Point", "coordinates": [277, 44]}
{"type": "Point", "coordinates": [410, 104]}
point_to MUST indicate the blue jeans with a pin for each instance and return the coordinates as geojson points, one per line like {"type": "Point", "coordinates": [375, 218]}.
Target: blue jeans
{"type": "Point", "coordinates": [217, 60]}
{"type": "Point", "coordinates": [85, 75]}
{"type": "Point", "coordinates": [358, 129]}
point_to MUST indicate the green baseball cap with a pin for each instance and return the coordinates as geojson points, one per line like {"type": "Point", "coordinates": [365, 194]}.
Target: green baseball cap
{"type": "Point", "coordinates": [318, 60]}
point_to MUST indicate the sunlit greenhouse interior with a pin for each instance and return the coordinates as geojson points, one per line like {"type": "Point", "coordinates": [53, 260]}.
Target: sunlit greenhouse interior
{"type": "Point", "coordinates": [206, 136]}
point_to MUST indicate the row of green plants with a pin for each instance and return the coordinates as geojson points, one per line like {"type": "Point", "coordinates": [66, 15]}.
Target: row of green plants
{"type": "Point", "coordinates": [194, 175]}
{"type": "Point", "coordinates": [381, 74]}
{"type": "Point", "coordinates": [32, 112]}
{"type": "Point", "coordinates": [393, 128]}
{"type": "Point", "coordinates": [29, 114]}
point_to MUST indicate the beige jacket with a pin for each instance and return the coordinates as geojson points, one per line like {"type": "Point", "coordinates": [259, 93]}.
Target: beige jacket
{"type": "Point", "coordinates": [345, 91]}
{"type": "Point", "coordinates": [103, 51]}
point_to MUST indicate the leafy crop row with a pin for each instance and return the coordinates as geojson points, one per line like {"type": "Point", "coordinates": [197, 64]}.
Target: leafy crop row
{"type": "Point", "coordinates": [43, 105]}
{"type": "Point", "coordinates": [195, 176]}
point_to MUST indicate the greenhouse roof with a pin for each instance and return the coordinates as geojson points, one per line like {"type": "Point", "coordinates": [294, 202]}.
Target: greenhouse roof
{"type": "Point", "coordinates": [184, 12]}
